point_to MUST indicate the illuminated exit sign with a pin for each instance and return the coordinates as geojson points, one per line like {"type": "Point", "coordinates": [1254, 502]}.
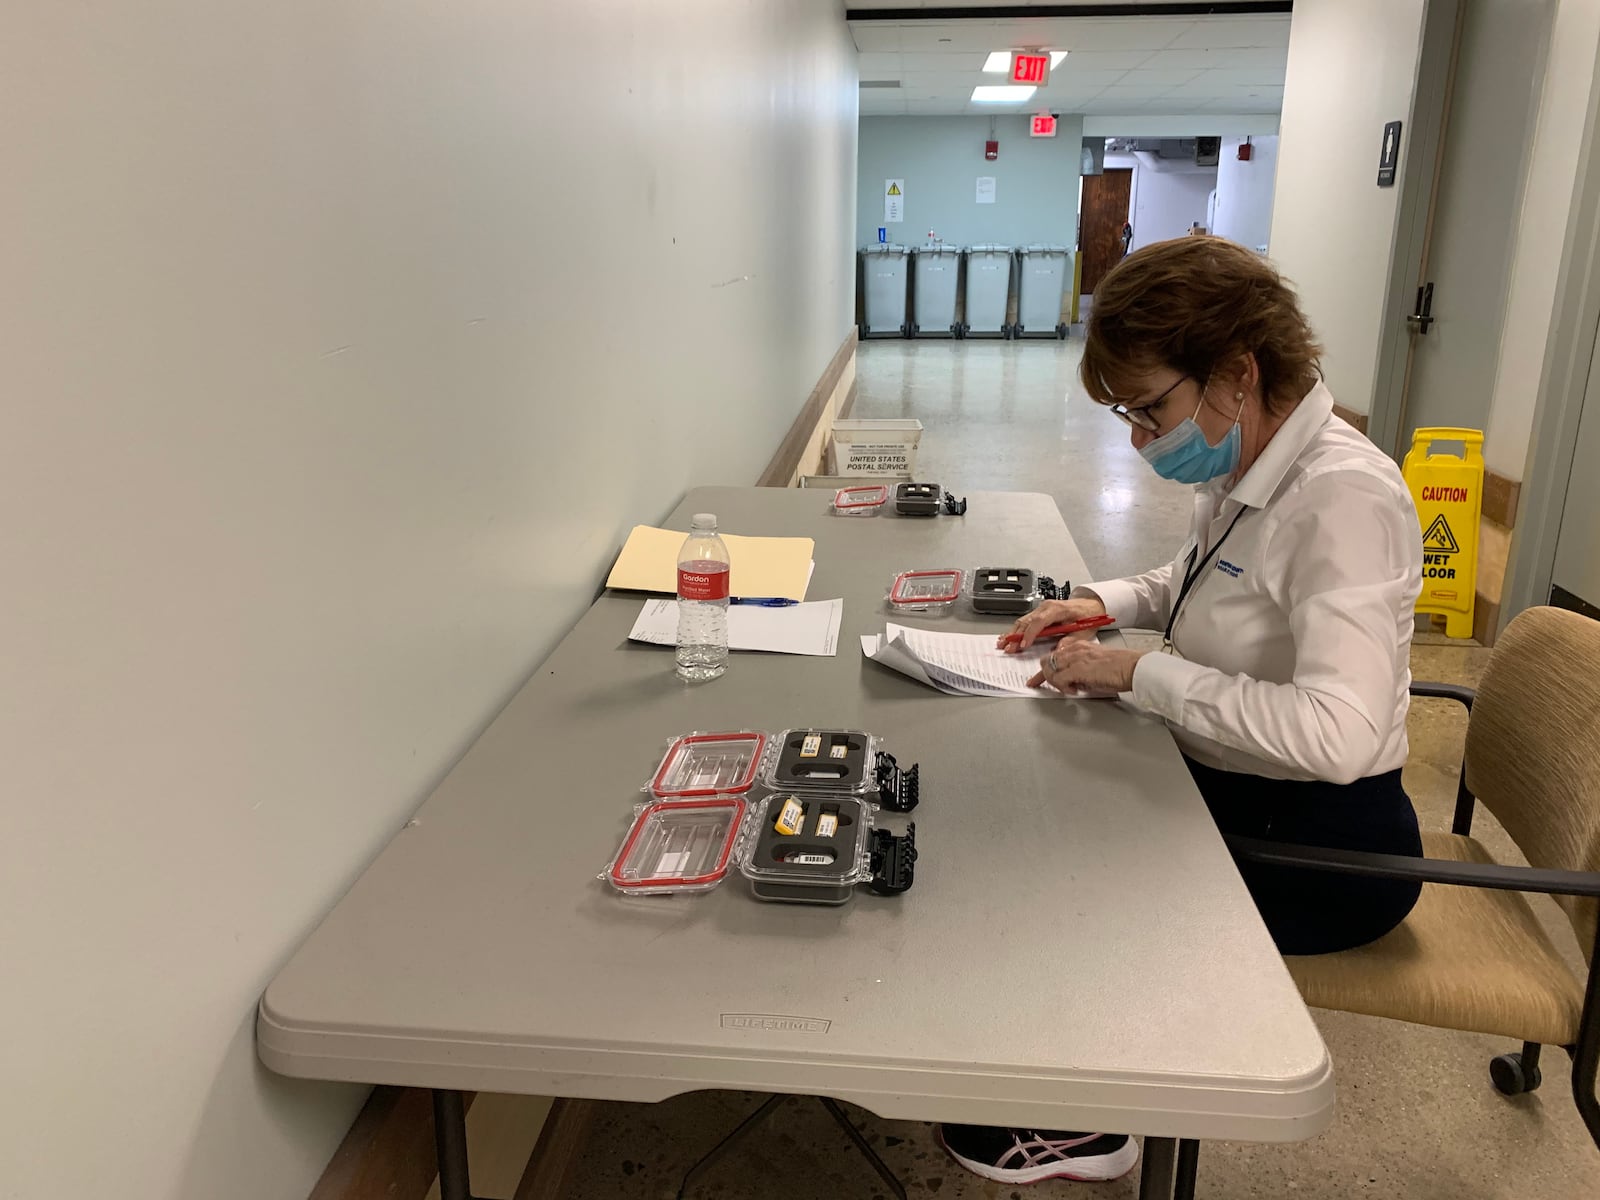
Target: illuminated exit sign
{"type": "Point", "coordinates": [1030, 68]}
{"type": "Point", "coordinates": [1044, 125]}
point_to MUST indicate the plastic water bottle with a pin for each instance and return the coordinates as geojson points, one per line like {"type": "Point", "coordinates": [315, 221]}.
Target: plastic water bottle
{"type": "Point", "coordinates": [702, 602]}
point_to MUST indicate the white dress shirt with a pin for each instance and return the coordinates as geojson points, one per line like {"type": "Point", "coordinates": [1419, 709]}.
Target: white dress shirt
{"type": "Point", "coordinates": [1291, 655]}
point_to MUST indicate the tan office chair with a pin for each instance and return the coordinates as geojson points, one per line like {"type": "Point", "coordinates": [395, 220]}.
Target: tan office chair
{"type": "Point", "coordinates": [1472, 954]}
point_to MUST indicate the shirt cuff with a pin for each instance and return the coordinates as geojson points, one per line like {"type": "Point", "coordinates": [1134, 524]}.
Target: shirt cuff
{"type": "Point", "coordinates": [1120, 600]}
{"type": "Point", "coordinates": [1161, 684]}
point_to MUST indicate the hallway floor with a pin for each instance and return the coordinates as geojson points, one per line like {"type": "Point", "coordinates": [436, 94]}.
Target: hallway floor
{"type": "Point", "coordinates": [1416, 1118]}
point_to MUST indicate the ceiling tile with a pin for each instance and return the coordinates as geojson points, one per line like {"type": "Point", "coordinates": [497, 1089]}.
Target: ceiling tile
{"type": "Point", "coordinates": [1209, 80]}
{"type": "Point", "coordinates": [1220, 58]}
{"type": "Point", "coordinates": [875, 37]}
{"type": "Point", "coordinates": [1107, 60]}
{"type": "Point", "coordinates": [1072, 76]}
{"type": "Point", "coordinates": [1123, 33]}
{"type": "Point", "coordinates": [962, 35]}
{"type": "Point", "coordinates": [1219, 32]}
{"type": "Point", "coordinates": [951, 60]}
{"type": "Point", "coordinates": [1143, 77]}
{"type": "Point", "coordinates": [1134, 64]}
{"type": "Point", "coordinates": [1141, 91]}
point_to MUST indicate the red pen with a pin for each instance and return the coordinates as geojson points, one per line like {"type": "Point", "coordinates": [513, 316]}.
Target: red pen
{"type": "Point", "coordinates": [1060, 631]}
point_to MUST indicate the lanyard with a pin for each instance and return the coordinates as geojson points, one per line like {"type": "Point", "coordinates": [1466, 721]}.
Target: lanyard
{"type": "Point", "coordinates": [1191, 576]}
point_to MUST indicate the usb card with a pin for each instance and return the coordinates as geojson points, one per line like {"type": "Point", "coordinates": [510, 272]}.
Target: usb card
{"type": "Point", "coordinates": [790, 817]}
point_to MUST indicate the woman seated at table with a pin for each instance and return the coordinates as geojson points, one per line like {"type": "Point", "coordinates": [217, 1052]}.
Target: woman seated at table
{"type": "Point", "coordinates": [1287, 613]}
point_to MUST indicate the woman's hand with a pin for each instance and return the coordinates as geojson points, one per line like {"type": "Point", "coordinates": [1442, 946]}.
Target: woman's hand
{"type": "Point", "coordinates": [1087, 666]}
{"type": "Point", "coordinates": [1051, 612]}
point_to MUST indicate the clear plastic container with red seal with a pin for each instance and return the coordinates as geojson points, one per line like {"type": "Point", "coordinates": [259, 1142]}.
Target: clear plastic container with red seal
{"type": "Point", "coordinates": [867, 500]}
{"type": "Point", "coordinates": [678, 846]}
{"type": "Point", "coordinates": [817, 857]}
{"type": "Point", "coordinates": [798, 848]}
{"type": "Point", "coordinates": [926, 591]}
{"type": "Point", "coordinates": [826, 760]}
{"type": "Point", "coordinates": [709, 764]}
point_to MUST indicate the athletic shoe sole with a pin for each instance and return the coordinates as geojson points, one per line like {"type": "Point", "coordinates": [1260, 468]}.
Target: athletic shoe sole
{"type": "Point", "coordinates": [1095, 1169]}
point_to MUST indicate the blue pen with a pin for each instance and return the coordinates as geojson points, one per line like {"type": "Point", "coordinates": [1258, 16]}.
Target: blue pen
{"type": "Point", "coordinates": [766, 601]}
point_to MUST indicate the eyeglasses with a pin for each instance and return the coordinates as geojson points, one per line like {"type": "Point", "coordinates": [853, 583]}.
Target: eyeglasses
{"type": "Point", "coordinates": [1140, 417]}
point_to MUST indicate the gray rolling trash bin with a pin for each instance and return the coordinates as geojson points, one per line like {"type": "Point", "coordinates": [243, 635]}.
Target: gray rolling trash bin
{"type": "Point", "coordinates": [884, 313]}
{"type": "Point", "coordinates": [988, 292]}
{"type": "Point", "coordinates": [933, 291]}
{"type": "Point", "coordinates": [1042, 275]}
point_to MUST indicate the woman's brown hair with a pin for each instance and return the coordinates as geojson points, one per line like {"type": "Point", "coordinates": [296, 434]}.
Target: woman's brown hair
{"type": "Point", "coordinates": [1197, 304]}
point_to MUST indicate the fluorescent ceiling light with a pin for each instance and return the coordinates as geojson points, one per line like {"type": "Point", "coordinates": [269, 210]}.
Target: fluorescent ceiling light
{"type": "Point", "coordinates": [1055, 58]}
{"type": "Point", "coordinates": [1005, 94]}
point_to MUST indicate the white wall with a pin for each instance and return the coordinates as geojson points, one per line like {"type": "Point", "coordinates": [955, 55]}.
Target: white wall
{"type": "Point", "coordinates": [941, 158]}
{"type": "Point", "coordinates": [1352, 68]}
{"type": "Point", "coordinates": [1164, 198]}
{"type": "Point", "coordinates": [342, 342]}
{"type": "Point", "coordinates": [1547, 200]}
{"type": "Point", "coordinates": [1244, 191]}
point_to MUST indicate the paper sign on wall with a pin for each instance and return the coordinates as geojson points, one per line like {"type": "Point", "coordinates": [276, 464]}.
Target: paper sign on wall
{"type": "Point", "coordinates": [894, 201]}
{"type": "Point", "coordinates": [985, 189]}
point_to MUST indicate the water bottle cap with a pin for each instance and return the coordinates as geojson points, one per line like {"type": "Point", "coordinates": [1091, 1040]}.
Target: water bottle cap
{"type": "Point", "coordinates": [705, 520]}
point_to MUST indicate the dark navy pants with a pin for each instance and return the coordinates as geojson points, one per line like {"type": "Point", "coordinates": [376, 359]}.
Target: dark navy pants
{"type": "Point", "coordinates": [1318, 912]}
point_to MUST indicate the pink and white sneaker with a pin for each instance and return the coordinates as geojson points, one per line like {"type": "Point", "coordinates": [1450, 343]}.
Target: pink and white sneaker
{"type": "Point", "coordinates": [1032, 1155]}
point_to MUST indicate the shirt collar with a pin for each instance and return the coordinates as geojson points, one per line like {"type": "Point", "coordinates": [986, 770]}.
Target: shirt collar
{"type": "Point", "coordinates": [1261, 481]}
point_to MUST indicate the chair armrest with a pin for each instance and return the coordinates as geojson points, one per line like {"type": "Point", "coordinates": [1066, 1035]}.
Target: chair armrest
{"type": "Point", "coordinates": [1463, 696]}
{"type": "Point", "coordinates": [1423, 870]}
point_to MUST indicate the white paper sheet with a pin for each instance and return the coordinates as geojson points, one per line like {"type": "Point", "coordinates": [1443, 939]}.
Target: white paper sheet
{"type": "Point", "coordinates": [810, 628]}
{"type": "Point", "coordinates": [962, 664]}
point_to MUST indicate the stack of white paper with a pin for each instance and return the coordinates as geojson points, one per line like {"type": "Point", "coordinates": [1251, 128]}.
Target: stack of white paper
{"type": "Point", "coordinates": [962, 664]}
{"type": "Point", "coordinates": [810, 628]}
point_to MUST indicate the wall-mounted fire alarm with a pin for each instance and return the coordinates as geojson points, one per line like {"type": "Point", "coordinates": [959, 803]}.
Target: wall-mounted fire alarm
{"type": "Point", "coordinates": [1245, 150]}
{"type": "Point", "coordinates": [991, 150]}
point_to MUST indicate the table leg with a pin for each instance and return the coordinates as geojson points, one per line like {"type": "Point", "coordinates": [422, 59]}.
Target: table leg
{"type": "Point", "coordinates": [450, 1145]}
{"type": "Point", "coordinates": [838, 1114]}
{"type": "Point", "coordinates": [871, 1155]}
{"type": "Point", "coordinates": [717, 1151]}
{"type": "Point", "coordinates": [1188, 1167]}
{"type": "Point", "coordinates": [1159, 1174]}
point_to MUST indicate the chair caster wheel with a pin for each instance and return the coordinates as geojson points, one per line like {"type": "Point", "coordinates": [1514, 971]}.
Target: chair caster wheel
{"type": "Point", "coordinates": [1510, 1077]}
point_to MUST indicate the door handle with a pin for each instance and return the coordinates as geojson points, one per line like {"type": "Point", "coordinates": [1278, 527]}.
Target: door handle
{"type": "Point", "coordinates": [1421, 318]}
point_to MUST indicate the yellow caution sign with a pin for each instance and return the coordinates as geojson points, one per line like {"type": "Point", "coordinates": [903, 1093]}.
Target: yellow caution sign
{"type": "Point", "coordinates": [1446, 483]}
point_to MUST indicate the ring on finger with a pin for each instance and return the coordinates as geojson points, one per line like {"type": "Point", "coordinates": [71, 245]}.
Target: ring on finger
{"type": "Point", "coordinates": [1052, 661]}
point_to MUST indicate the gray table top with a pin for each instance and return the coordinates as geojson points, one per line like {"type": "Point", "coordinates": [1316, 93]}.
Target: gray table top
{"type": "Point", "coordinates": [1078, 950]}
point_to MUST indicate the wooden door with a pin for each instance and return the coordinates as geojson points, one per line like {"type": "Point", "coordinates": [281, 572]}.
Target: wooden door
{"type": "Point", "coordinates": [1105, 212]}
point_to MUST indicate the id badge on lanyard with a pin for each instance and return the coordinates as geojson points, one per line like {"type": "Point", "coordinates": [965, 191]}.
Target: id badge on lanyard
{"type": "Point", "coordinates": [1191, 576]}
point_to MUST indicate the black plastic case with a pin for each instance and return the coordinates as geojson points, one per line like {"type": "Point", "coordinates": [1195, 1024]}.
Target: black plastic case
{"type": "Point", "coordinates": [1010, 591]}
{"type": "Point", "coordinates": [918, 499]}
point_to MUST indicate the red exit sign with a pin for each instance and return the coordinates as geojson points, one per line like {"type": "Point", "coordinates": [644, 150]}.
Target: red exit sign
{"type": "Point", "coordinates": [1030, 68]}
{"type": "Point", "coordinates": [1044, 125]}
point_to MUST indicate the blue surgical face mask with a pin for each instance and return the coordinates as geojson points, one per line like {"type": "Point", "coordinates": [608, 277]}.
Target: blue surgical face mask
{"type": "Point", "coordinates": [1184, 456]}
